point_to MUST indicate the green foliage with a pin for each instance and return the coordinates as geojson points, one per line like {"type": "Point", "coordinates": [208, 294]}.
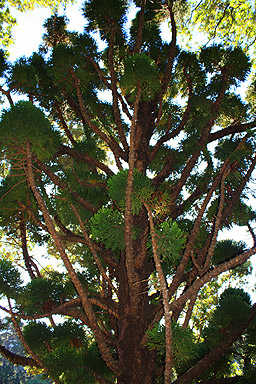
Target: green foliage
{"type": "Point", "coordinates": [170, 242]}
{"type": "Point", "coordinates": [65, 351]}
{"type": "Point", "coordinates": [142, 189]}
{"type": "Point", "coordinates": [37, 335]}
{"type": "Point", "coordinates": [152, 42]}
{"type": "Point", "coordinates": [183, 343]}
{"type": "Point", "coordinates": [25, 122]}
{"type": "Point", "coordinates": [231, 21]}
{"type": "Point", "coordinates": [107, 226]}
{"type": "Point", "coordinates": [227, 149]}
{"type": "Point", "coordinates": [44, 339]}
{"type": "Point", "coordinates": [107, 17]}
{"type": "Point", "coordinates": [227, 249]}
{"type": "Point", "coordinates": [231, 312]}
{"type": "Point", "coordinates": [189, 65]}
{"type": "Point", "coordinates": [232, 60]}
{"type": "Point", "coordinates": [42, 295]}
{"type": "Point", "coordinates": [232, 108]}
{"type": "Point", "coordinates": [68, 333]}
{"type": "Point", "coordinates": [10, 279]}
{"type": "Point", "coordinates": [68, 363]}
{"type": "Point", "coordinates": [236, 293]}
{"type": "Point", "coordinates": [140, 72]}
{"type": "Point", "coordinates": [13, 190]}
{"type": "Point", "coordinates": [56, 31]}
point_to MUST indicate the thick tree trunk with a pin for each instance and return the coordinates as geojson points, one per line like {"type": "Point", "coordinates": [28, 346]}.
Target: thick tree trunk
{"type": "Point", "coordinates": [136, 362]}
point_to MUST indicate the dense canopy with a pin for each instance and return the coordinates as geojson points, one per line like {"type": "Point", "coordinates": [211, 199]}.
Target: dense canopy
{"type": "Point", "coordinates": [125, 163]}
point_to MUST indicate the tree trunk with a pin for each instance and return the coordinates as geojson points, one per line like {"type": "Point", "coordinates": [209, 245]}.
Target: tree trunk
{"type": "Point", "coordinates": [136, 362]}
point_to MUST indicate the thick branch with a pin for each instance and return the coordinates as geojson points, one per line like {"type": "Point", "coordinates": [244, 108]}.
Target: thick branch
{"type": "Point", "coordinates": [172, 51]}
{"type": "Point", "coordinates": [87, 307]}
{"type": "Point", "coordinates": [165, 294]}
{"type": "Point", "coordinates": [116, 111]}
{"type": "Point", "coordinates": [64, 124]}
{"type": "Point", "coordinates": [84, 157]}
{"type": "Point", "coordinates": [8, 95]}
{"type": "Point", "coordinates": [230, 130]}
{"type": "Point", "coordinates": [31, 266]}
{"type": "Point", "coordinates": [138, 41]}
{"type": "Point", "coordinates": [128, 221]}
{"type": "Point", "coordinates": [18, 359]}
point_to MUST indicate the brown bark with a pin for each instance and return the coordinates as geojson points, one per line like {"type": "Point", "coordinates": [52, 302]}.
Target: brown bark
{"type": "Point", "coordinates": [131, 273]}
{"type": "Point", "coordinates": [165, 294]}
{"type": "Point", "coordinates": [230, 130]}
{"type": "Point", "coordinates": [104, 350]}
{"type": "Point", "coordinates": [116, 111]}
{"type": "Point", "coordinates": [18, 359]}
{"type": "Point", "coordinates": [64, 124]}
{"type": "Point", "coordinates": [138, 41]}
{"type": "Point", "coordinates": [29, 263]}
{"type": "Point", "coordinates": [136, 362]}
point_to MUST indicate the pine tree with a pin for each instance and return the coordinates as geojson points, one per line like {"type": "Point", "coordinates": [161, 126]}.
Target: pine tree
{"type": "Point", "coordinates": [126, 162]}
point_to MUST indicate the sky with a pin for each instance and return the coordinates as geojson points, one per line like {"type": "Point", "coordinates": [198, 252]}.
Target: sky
{"type": "Point", "coordinates": [29, 29]}
{"type": "Point", "coordinates": [28, 36]}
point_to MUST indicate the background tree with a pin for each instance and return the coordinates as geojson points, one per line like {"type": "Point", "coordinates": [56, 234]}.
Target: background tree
{"type": "Point", "coordinates": [8, 21]}
{"type": "Point", "coordinates": [127, 162]}
{"type": "Point", "coordinates": [230, 21]}
{"type": "Point", "coordinates": [9, 373]}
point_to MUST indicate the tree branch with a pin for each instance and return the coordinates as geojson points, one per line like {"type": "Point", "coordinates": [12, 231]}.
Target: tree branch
{"type": "Point", "coordinates": [63, 185]}
{"type": "Point", "coordinates": [109, 140]}
{"type": "Point", "coordinates": [215, 354]}
{"type": "Point", "coordinates": [87, 307]}
{"type": "Point", "coordinates": [116, 111]}
{"type": "Point", "coordinates": [92, 249]}
{"type": "Point", "coordinates": [165, 294]}
{"type": "Point", "coordinates": [138, 41]}
{"type": "Point", "coordinates": [64, 124]}
{"type": "Point", "coordinates": [128, 221]}
{"type": "Point", "coordinates": [230, 130]}
{"type": "Point", "coordinates": [22, 339]}
{"type": "Point", "coordinates": [18, 359]}
{"type": "Point", "coordinates": [172, 51]}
